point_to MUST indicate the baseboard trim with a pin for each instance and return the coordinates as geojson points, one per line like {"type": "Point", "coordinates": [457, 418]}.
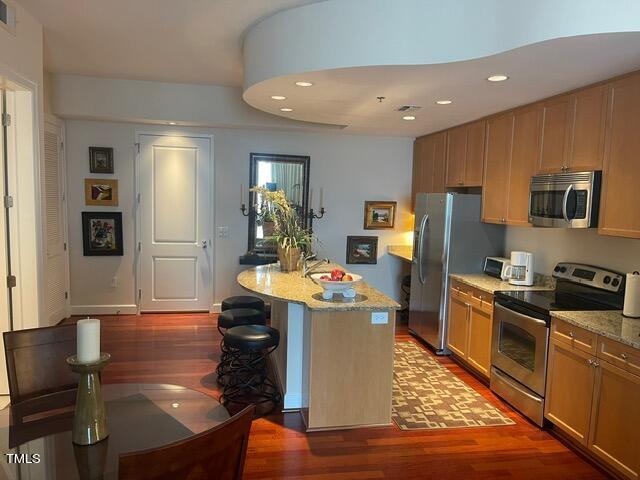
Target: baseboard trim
{"type": "Point", "coordinates": [216, 308]}
{"type": "Point", "coordinates": [104, 309]}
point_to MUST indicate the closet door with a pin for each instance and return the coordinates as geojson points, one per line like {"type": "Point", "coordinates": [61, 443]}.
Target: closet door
{"type": "Point", "coordinates": [55, 225]}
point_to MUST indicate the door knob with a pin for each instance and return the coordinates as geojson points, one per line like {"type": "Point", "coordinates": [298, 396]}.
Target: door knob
{"type": "Point", "coordinates": [204, 244]}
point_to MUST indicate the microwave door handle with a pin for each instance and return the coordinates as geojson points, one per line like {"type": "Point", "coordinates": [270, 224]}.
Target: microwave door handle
{"type": "Point", "coordinates": [423, 226]}
{"type": "Point", "coordinates": [565, 200]}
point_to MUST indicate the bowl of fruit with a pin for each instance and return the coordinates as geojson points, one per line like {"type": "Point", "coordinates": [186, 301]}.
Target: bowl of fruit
{"type": "Point", "coordinates": [337, 281]}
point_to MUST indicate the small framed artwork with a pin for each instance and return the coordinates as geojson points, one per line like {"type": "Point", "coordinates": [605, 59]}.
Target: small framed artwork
{"type": "Point", "coordinates": [101, 159]}
{"type": "Point", "coordinates": [379, 215]}
{"type": "Point", "coordinates": [362, 250]}
{"type": "Point", "coordinates": [102, 233]}
{"type": "Point", "coordinates": [99, 191]}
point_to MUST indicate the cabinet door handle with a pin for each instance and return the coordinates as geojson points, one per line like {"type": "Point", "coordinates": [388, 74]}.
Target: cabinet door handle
{"type": "Point", "coordinates": [572, 335]}
{"type": "Point", "coordinates": [590, 361]}
{"type": "Point", "coordinates": [623, 356]}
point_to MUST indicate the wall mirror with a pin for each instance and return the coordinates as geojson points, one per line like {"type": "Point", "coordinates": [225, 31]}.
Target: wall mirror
{"type": "Point", "coordinates": [289, 173]}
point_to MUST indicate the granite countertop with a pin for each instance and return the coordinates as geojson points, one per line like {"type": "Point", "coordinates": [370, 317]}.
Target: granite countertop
{"type": "Point", "coordinates": [491, 285]}
{"type": "Point", "coordinates": [608, 323]}
{"type": "Point", "coordinates": [268, 281]}
{"type": "Point", "coordinates": [405, 252]}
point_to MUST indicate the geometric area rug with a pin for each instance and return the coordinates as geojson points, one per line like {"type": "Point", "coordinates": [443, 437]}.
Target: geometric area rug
{"type": "Point", "coordinates": [427, 395]}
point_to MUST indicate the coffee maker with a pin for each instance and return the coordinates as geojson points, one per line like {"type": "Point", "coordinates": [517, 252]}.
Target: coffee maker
{"type": "Point", "coordinates": [520, 272]}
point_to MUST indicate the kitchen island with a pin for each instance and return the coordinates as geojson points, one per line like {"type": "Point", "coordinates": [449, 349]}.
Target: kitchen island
{"type": "Point", "coordinates": [335, 359]}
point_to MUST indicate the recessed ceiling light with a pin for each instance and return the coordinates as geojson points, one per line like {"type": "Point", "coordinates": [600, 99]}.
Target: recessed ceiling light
{"type": "Point", "coordinates": [171, 123]}
{"type": "Point", "coordinates": [443, 102]}
{"type": "Point", "coordinates": [408, 117]}
{"type": "Point", "coordinates": [278, 97]}
{"type": "Point", "coordinates": [498, 77]}
{"type": "Point", "coordinates": [304, 84]}
{"type": "Point", "coordinates": [286, 109]}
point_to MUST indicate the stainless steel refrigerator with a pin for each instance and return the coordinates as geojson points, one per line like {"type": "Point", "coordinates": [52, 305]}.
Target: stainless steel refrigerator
{"type": "Point", "coordinates": [448, 238]}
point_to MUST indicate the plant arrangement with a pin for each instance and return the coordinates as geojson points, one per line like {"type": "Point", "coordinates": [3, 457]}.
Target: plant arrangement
{"type": "Point", "coordinates": [289, 234]}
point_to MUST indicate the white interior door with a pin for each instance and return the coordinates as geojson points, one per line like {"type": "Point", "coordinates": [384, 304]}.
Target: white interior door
{"type": "Point", "coordinates": [56, 268]}
{"type": "Point", "coordinates": [175, 216]}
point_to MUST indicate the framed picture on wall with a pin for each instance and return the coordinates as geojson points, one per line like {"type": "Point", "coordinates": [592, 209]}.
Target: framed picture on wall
{"type": "Point", "coordinates": [102, 233]}
{"type": "Point", "coordinates": [362, 250]}
{"type": "Point", "coordinates": [101, 159]}
{"type": "Point", "coordinates": [102, 192]}
{"type": "Point", "coordinates": [379, 215]}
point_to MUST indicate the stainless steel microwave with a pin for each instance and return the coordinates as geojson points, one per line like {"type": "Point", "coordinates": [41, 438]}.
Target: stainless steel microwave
{"type": "Point", "coordinates": [568, 200]}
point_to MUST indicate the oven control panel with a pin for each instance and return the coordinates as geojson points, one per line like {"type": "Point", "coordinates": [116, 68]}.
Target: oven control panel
{"type": "Point", "coordinates": [589, 275]}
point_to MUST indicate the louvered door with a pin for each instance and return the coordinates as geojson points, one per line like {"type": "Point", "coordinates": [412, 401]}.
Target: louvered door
{"type": "Point", "coordinates": [56, 268]}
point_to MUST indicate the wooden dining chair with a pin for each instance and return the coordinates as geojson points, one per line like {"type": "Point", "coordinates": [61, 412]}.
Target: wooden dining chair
{"type": "Point", "coordinates": [39, 377]}
{"type": "Point", "coordinates": [216, 454]}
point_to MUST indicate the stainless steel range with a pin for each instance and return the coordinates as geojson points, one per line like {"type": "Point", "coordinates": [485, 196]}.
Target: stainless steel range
{"type": "Point", "coordinates": [521, 330]}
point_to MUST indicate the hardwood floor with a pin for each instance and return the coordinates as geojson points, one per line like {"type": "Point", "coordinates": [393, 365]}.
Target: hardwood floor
{"type": "Point", "coordinates": [183, 349]}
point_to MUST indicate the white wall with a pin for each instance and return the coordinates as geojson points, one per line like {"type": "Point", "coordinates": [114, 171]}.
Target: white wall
{"type": "Point", "coordinates": [351, 169]}
{"type": "Point", "coordinates": [552, 245]}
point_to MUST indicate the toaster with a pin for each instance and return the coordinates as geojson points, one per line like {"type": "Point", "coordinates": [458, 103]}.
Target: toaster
{"type": "Point", "coordinates": [496, 267]}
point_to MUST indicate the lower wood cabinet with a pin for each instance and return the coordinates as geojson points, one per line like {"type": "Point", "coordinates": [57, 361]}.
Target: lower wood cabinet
{"type": "Point", "coordinates": [470, 326]}
{"type": "Point", "coordinates": [570, 381]}
{"type": "Point", "coordinates": [594, 401]}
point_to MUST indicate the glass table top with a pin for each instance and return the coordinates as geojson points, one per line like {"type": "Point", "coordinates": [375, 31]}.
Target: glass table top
{"type": "Point", "coordinates": [139, 417]}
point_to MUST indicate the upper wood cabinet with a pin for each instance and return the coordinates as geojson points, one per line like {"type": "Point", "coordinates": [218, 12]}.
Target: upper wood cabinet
{"type": "Point", "coordinates": [429, 167]}
{"type": "Point", "coordinates": [619, 211]}
{"type": "Point", "coordinates": [495, 193]}
{"type": "Point", "coordinates": [572, 131]}
{"type": "Point", "coordinates": [512, 143]}
{"type": "Point", "coordinates": [465, 155]}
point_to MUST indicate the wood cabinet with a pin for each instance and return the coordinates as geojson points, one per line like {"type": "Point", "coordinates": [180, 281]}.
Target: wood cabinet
{"type": "Point", "coordinates": [429, 156]}
{"type": "Point", "coordinates": [495, 193]}
{"type": "Point", "coordinates": [619, 212]}
{"type": "Point", "coordinates": [593, 396]}
{"type": "Point", "coordinates": [470, 326]}
{"type": "Point", "coordinates": [614, 433]}
{"type": "Point", "coordinates": [465, 155]}
{"type": "Point", "coordinates": [512, 143]}
{"type": "Point", "coordinates": [588, 132]}
{"type": "Point", "coordinates": [458, 326]}
{"type": "Point", "coordinates": [572, 131]}
{"type": "Point", "coordinates": [570, 381]}
{"type": "Point", "coordinates": [589, 129]}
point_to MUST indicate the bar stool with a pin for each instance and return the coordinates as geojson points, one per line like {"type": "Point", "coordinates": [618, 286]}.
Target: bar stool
{"type": "Point", "coordinates": [229, 319]}
{"type": "Point", "coordinates": [249, 381]}
{"type": "Point", "coordinates": [243, 301]}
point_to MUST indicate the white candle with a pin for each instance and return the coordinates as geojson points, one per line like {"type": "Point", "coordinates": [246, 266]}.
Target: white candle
{"type": "Point", "coordinates": [321, 198]}
{"type": "Point", "coordinates": [88, 338]}
{"type": "Point", "coordinates": [241, 193]}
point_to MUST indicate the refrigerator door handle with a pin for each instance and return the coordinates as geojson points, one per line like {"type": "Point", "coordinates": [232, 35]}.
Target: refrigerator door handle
{"type": "Point", "coordinates": [421, 234]}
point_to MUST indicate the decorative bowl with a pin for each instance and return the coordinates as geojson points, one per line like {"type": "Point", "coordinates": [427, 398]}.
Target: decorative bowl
{"type": "Point", "coordinates": [330, 287]}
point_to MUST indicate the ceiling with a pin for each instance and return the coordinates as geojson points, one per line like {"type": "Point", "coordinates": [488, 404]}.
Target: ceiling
{"type": "Point", "coordinates": [185, 41]}
{"type": "Point", "coordinates": [412, 52]}
{"type": "Point", "coordinates": [348, 96]}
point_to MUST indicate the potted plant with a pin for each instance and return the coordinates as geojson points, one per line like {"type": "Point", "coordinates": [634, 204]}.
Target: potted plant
{"type": "Point", "coordinates": [289, 235]}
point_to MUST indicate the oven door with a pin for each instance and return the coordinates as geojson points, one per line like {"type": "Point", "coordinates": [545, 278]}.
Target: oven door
{"type": "Point", "coordinates": [519, 344]}
{"type": "Point", "coordinates": [562, 203]}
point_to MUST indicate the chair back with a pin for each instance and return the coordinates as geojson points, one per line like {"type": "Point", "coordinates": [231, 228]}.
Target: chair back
{"type": "Point", "coordinates": [216, 454]}
{"type": "Point", "coordinates": [39, 377]}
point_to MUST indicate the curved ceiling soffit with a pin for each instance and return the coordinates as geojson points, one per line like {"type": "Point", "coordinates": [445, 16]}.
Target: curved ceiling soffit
{"type": "Point", "coordinates": [342, 34]}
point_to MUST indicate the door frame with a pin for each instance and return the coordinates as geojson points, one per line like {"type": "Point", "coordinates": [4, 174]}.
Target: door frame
{"type": "Point", "coordinates": [161, 132]}
{"type": "Point", "coordinates": [26, 225]}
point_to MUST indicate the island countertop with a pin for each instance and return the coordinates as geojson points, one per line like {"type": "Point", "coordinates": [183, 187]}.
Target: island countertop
{"type": "Point", "coordinates": [270, 282]}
